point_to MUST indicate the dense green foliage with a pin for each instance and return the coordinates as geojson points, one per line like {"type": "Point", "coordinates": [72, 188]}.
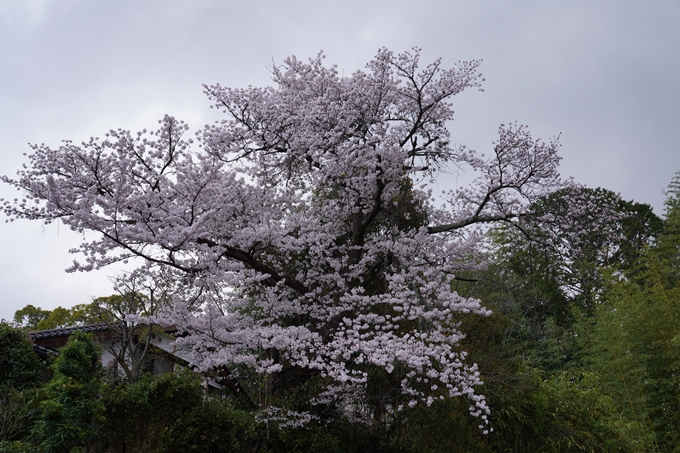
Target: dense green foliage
{"type": "Point", "coordinates": [20, 368]}
{"type": "Point", "coordinates": [21, 371]}
{"type": "Point", "coordinates": [170, 413]}
{"type": "Point", "coordinates": [633, 341]}
{"type": "Point", "coordinates": [72, 408]}
{"type": "Point", "coordinates": [18, 412]}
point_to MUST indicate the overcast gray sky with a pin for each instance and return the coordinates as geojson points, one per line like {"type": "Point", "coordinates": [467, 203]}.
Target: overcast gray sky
{"type": "Point", "coordinates": [604, 74]}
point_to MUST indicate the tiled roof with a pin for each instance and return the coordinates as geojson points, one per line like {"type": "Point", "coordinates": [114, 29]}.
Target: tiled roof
{"type": "Point", "coordinates": [66, 331]}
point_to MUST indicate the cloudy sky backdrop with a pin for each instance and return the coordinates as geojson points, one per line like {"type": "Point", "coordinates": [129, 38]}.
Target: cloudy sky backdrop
{"type": "Point", "coordinates": [605, 74]}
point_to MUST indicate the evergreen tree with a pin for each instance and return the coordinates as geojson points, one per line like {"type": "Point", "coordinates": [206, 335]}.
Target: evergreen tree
{"type": "Point", "coordinates": [72, 408]}
{"type": "Point", "coordinates": [20, 367]}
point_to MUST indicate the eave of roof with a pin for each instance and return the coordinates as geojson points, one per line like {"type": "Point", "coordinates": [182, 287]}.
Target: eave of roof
{"type": "Point", "coordinates": [66, 331]}
{"type": "Point", "coordinates": [44, 352]}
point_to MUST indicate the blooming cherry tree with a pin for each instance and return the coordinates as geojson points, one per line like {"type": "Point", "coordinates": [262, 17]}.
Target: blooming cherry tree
{"type": "Point", "coordinates": [306, 219]}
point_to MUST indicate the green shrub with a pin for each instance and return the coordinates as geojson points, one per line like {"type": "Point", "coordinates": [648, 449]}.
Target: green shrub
{"type": "Point", "coordinates": [564, 414]}
{"type": "Point", "coordinates": [20, 367]}
{"type": "Point", "coordinates": [18, 447]}
{"type": "Point", "coordinates": [171, 413]}
{"type": "Point", "coordinates": [72, 408]}
{"type": "Point", "coordinates": [18, 411]}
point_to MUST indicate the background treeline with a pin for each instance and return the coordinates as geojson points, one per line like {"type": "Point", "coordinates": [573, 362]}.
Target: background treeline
{"type": "Point", "coordinates": [581, 354]}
